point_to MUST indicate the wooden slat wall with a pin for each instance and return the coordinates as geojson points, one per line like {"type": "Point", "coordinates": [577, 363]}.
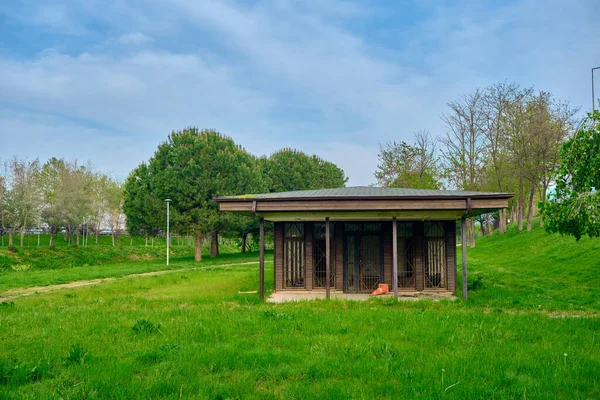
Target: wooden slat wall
{"type": "Point", "coordinates": [419, 232]}
{"type": "Point", "coordinates": [278, 255]}
{"type": "Point", "coordinates": [451, 254]}
{"type": "Point", "coordinates": [387, 253]}
{"type": "Point", "coordinates": [339, 255]}
{"type": "Point", "coordinates": [308, 255]}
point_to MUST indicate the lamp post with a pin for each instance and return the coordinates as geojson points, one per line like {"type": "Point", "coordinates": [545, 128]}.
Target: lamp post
{"type": "Point", "coordinates": [168, 236]}
{"type": "Point", "coordinates": [593, 98]}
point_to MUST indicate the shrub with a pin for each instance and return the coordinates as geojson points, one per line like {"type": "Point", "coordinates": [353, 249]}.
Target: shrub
{"type": "Point", "coordinates": [21, 267]}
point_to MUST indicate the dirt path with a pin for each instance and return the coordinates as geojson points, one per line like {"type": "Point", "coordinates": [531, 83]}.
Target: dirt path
{"type": "Point", "coordinates": [22, 292]}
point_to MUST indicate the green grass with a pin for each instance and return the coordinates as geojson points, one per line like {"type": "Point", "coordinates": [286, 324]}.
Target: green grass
{"type": "Point", "coordinates": [191, 334]}
{"type": "Point", "coordinates": [60, 257]}
{"type": "Point", "coordinates": [10, 279]}
{"type": "Point", "coordinates": [535, 271]}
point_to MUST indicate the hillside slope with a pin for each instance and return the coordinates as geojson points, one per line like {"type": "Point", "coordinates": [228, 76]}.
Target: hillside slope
{"type": "Point", "coordinates": [534, 270]}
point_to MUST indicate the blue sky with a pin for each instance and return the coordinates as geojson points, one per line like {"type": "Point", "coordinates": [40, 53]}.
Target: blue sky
{"type": "Point", "coordinates": [106, 81]}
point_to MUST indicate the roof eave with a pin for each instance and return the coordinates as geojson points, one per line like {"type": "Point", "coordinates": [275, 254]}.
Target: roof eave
{"type": "Point", "coordinates": [368, 198]}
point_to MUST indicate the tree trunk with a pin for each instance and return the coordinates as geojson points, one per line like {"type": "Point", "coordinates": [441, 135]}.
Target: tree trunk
{"type": "Point", "coordinates": [543, 199]}
{"type": "Point", "coordinates": [96, 238]}
{"type": "Point", "coordinates": [10, 239]}
{"type": "Point", "coordinates": [244, 236]}
{"type": "Point", "coordinates": [214, 244]}
{"type": "Point", "coordinates": [530, 211]}
{"type": "Point", "coordinates": [502, 222]}
{"type": "Point", "coordinates": [198, 249]}
{"type": "Point", "coordinates": [471, 232]}
{"type": "Point", "coordinates": [51, 240]}
{"type": "Point", "coordinates": [489, 224]}
{"type": "Point", "coordinates": [146, 240]}
{"type": "Point", "coordinates": [189, 239]}
{"type": "Point", "coordinates": [130, 241]}
{"type": "Point", "coordinates": [77, 238]}
{"type": "Point", "coordinates": [22, 237]}
{"type": "Point", "coordinates": [113, 239]}
{"type": "Point", "coordinates": [521, 206]}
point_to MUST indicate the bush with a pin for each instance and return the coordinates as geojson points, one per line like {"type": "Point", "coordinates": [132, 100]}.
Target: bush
{"type": "Point", "coordinates": [20, 267]}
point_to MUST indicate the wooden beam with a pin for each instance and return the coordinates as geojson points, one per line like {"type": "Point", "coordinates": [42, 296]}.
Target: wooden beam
{"type": "Point", "coordinates": [262, 258]}
{"type": "Point", "coordinates": [395, 256]}
{"type": "Point", "coordinates": [319, 216]}
{"type": "Point", "coordinates": [463, 244]}
{"type": "Point", "coordinates": [327, 259]}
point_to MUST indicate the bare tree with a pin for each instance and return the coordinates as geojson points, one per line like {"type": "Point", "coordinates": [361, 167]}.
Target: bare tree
{"type": "Point", "coordinates": [518, 144]}
{"type": "Point", "coordinates": [465, 146]}
{"type": "Point", "coordinates": [495, 102]}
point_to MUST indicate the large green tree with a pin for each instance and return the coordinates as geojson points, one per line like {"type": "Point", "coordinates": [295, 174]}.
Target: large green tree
{"type": "Point", "coordinates": [191, 168]}
{"type": "Point", "coordinates": [144, 211]}
{"type": "Point", "coordinates": [290, 169]}
{"type": "Point", "coordinates": [574, 207]}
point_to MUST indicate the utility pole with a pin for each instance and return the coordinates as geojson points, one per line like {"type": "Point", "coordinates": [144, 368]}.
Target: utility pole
{"type": "Point", "coordinates": [593, 94]}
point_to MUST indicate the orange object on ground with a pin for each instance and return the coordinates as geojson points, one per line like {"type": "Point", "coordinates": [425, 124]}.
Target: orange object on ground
{"type": "Point", "coordinates": [377, 292]}
{"type": "Point", "coordinates": [384, 287]}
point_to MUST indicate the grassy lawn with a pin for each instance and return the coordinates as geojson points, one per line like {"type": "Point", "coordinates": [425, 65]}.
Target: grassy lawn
{"type": "Point", "coordinates": [10, 280]}
{"type": "Point", "coordinates": [535, 270]}
{"type": "Point", "coordinates": [192, 335]}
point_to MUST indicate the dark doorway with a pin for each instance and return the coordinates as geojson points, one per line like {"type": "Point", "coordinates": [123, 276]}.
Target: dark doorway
{"type": "Point", "coordinates": [363, 257]}
{"type": "Point", "coordinates": [320, 266]}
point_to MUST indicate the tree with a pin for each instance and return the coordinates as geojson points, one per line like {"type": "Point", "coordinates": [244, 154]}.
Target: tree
{"type": "Point", "coordinates": [23, 197]}
{"type": "Point", "coordinates": [496, 99]}
{"type": "Point", "coordinates": [99, 202]}
{"type": "Point", "coordinates": [409, 166]}
{"type": "Point", "coordinates": [52, 185]}
{"type": "Point", "coordinates": [465, 147]}
{"type": "Point", "coordinates": [2, 206]}
{"type": "Point", "coordinates": [114, 208]}
{"type": "Point", "coordinates": [144, 211]}
{"type": "Point", "coordinates": [289, 169]}
{"type": "Point", "coordinates": [191, 168]}
{"type": "Point", "coordinates": [574, 207]}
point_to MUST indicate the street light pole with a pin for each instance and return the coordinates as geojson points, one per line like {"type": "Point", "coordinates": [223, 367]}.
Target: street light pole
{"type": "Point", "coordinates": [593, 97]}
{"type": "Point", "coordinates": [168, 236]}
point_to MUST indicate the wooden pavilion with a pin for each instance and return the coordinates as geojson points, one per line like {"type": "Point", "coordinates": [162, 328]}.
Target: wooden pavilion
{"type": "Point", "coordinates": [352, 239]}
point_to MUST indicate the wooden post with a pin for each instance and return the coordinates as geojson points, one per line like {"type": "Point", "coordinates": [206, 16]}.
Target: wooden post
{"type": "Point", "coordinates": [463, 240]}
{"type": "Point", "coordinates": [327, 260]}
{"type": "Point", "coordinates": [395, 256]}
{"type": "Point", "coordinates": [262, 258]}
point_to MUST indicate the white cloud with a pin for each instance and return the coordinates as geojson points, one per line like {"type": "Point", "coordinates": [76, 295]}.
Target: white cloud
{"type": "Point", "coordinates": [134, 39]}
{"type": "Point", "coordinates": [276, 74]}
